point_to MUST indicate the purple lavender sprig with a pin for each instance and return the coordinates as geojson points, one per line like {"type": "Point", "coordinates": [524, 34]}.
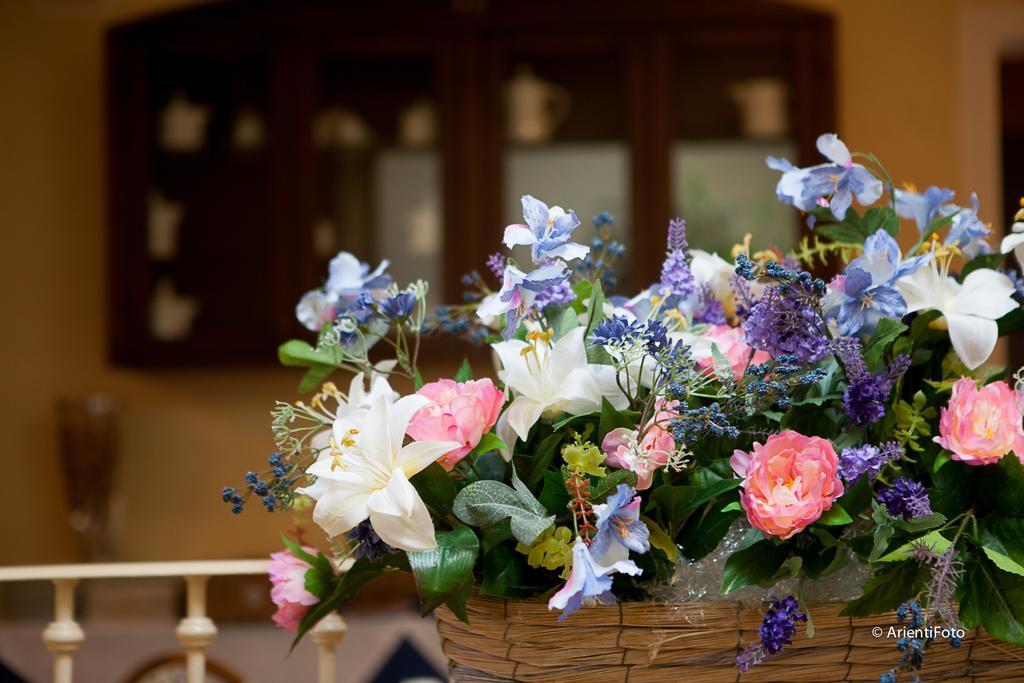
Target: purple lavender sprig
{"type": "Point", "coordinates": [777, 630]}
{"type": "Point", "coordinates": [867, 459]}
{"type": "Point", "coordinates": [906, 498]}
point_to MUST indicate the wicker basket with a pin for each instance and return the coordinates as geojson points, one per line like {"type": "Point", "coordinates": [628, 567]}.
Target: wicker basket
{"type": "Point", "coordinates": [510, 640]}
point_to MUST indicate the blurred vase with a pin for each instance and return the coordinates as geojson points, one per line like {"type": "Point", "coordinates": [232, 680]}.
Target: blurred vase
{"type": "Point", "coordinates": [762, 107]}
{"type": "Point", "coordinates": [534, 108]}
{"type": "Point", "coordinates": [87, 438]}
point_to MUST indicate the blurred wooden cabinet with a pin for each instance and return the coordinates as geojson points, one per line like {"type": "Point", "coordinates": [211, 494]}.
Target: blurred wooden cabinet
{"type": "Point", "coordinates": [249, 141]}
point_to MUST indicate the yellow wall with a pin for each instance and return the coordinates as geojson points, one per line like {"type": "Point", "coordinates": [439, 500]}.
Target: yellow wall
{"type": "Point", "coordinates": [186, 434]}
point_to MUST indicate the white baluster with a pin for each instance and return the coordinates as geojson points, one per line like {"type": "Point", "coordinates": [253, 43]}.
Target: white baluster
{"type": "Point", "coordinates": [327, 634]}
{"type": "Point", "coordinates": [63, 636]}
{"type": "Point", "coordinates": [196, 631]}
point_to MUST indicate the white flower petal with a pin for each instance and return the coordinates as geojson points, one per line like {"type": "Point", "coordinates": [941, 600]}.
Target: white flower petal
{"type": "Point", "coordinates": [399, 516]}
{"type": "Point", "coordinates": [523, 413]}
{"type": "Point", "coordinates": [985, 293]}
{"type": "Point", "coordinates": [973, 338]}
{"type": "Point", "coordinates": [516, 235]}
{"type": "Point", "coordinates": [505, 432]}
{"type": "Point", "coordinates": [418, 455]}
{"type": "Point", "coordinates": [569, 251]}
{"type": "Point", "coordinates": [834, 149]}
{"type": "Point", "coordinates": [400, 415]}
{"type": "Point", "coordinates": [340, 509]}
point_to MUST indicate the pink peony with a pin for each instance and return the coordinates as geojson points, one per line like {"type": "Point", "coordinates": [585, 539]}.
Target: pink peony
{"type": "Point", "coordinates": [645, 451]}
{"type": "Point", "coordinates": [788, 482]}
{"type": "Point", "coordinates": [980, 426]}
{"type": "Point", "coordinates": [731, 343]}
{"type": "Point", "coordinates": [459, 412]}
{"type": "Point", "coordinates": [288, 576]}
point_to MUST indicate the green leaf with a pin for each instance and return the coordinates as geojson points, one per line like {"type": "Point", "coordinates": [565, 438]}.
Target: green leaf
{"type": "Point", "coordinates": [484, 503]}
{"type": "Point", "coordinates": [714, 489]}
{"type": "Point", "coordinates": [834, 516]}
{"type": "Point", "coordinates": [1002, 485]}
{"type": "Point", "coordinates": [841, 232]}
{"type": "Point", "coordinates": [702, 533]}
{"type": "Point", "coordinates": [918, 524]}
{"type": "Point", "coordinates": [884, 335]}
{"type": "Point", "coordinates": [674, 504]}
{"type": "Point", "coordinates": [992, 598]}
{"type": "Point", "coordinates": [553, 495]}
{"type": "Point", "coordinates": [934, 540]}
{"type": "Point", "coordinates": [417, 381]}
{"type": "Point", "coordinates": [940, 460]}
{"type": "Point", "coordinates": [1011, 322]}
{"type": "Point", "coordinates": [358, 575]}
{"type": "Point", "coordinates": [296, 353]}
{"type": "Point", "coordinates": [1002, 539]}
{"type": "Point", "coordinates": [563, 321]}
{"type": "Point", "coordinates": [489, 442]}
{"type": "Point", "coordinates": [435, 486]}
{"type": "Point", "coordinates": [981, 261]}
{"type": "Point", "coordinates": [753, 565]}
{"type": "Point", "coordinates": [607, 484]}
{"type": "Point", "coordinates": [735, 505]}
{"type": "Point", "coordinates": [505, 574]}
{"type": "Point", "coordinates": [542, 458]}
{"type": "Point", "coordinates": [314, 377]}
{"type": "Point", "coordinates": [465, 372]}
{"type": "Point", "coordinates": [457, 601]}
{"type": "Point", "coordinates": [595, 308]}
{"type": "Point", "coordinates": [441, 572]}
{"type": "Point", "coordinates": [611, 418]}
{"type": "Point", "coordinates": [660, 539]}
{"type": "Point", "coordinates": [881, 218]}
{"type": "Point", "coordinates": [887, 588]}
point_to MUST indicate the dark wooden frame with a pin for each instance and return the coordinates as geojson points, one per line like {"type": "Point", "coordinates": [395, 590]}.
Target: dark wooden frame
{"type": "Point", "coordinates": [466, 39]}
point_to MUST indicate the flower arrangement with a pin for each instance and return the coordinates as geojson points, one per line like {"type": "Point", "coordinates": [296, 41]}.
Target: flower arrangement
{"type": "Point", "coordinates": [839, 421]}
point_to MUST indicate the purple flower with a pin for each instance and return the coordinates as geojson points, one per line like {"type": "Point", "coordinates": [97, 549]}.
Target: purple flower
{"type": "Point", "coordinates": [864, 400]}
{"type": "Point", "coordinates": [559, 294]}
{"type": "Point", "coordinates": [905, 498]}
{"type": "Point", "coordinates": [782, 324]}
{"type": "Point", "coordinates": [367, 543]}
{"type": "Point", "coordinates": [619, 529]}
{"type": "Point", "coordinates": [777, 630]}
{"type": "Point", "coordinates": [547, 232]}
{"type": "Point", "coordinates": [496, 264]}
{"type": "Point", "coordinates": [867, 459]}
{"type": "Point", "coordinates": [677, 235]}
{"type": "Point", "coordinates": [614, 330]}
{"type": "Point", "coordinates": [676, 277]}
{"type": "Point", "coordinates": [518, 291]}
{"type": "Point", "coordinates": [711, 311]}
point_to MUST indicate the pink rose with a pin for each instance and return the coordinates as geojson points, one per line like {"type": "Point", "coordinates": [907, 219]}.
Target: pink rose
{"type": "Point", "coordinates": [731, 343]}
{"type": "Point", "coordinates": [288, 591]}
{"type": "Point", "coordinates": [980, 426]}
{"type": "Point", "coordinates": [459, 412]}
{"type": "Point", "coordinates": [788, 482]}
{"type": "Point", "coordinates": [645, 451]}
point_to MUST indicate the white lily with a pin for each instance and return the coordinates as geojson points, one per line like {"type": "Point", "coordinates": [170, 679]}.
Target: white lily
{"type": "Point", "coordinates": [549, 379]}
{"type": "Point", "coordinates": [1014, 241]}
{"type": "Point", "coordinates": [970, 309]}
{"type": "Point", "coordinates": [366, 473]}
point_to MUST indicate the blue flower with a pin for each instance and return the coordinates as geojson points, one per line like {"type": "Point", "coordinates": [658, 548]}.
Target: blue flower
{"type": "Point", "coordinates": [966, 230]}
{"type": "Point", "coordinates": [589, 581]}
{"type": "Point", "coordinates": [619, 529]}
{"type": "Point", "coordinates": [924, 207]}
{"type": "Point", "coordinates": [614, 330]}
{"type": "Point", "coordinates": [348, 280]}
{"type": "Point", "coordinates": [868, 292]}
{"type": "Point", "coordinates": [547, 232]}
{"type": "Point", "coordinates": [833, 185]}
{"type": "Point", "coordinates": [398, 306]}
{"type": "Point", "coordinates": [518, 292]}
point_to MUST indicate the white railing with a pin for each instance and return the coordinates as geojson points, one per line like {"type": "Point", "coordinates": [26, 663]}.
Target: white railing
{"type": "Point", "coordinates": [63, 636]}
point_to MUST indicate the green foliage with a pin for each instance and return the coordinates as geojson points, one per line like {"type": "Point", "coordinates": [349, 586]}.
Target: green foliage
{"type": "Point", "coordinates": [886, 332]}
{"type": "Point", "coordinates": [484, 503]}
{"type": "Point", "coordinates": [351, 582]}
{"type": "Point", "coordinates": [465, 372]}
{"type": "Point", "coordinates": [889, 586]}
{"type": "Point", "coordinates": [992, 598]}
{"type": "Point", "coordinates": [435, 487]}
{"type": "Point", "coordinates": [542, 458]}
{"type": "Point", "coordinates": [703, 532]}
{"type": "Point", "coordinates": [912, 421]}
{"type": "Point", "coordinates": [1002, 539]}
{"type": "Point", "coordinates": [754, 565]}
{"type": "Point", "coordinates": [443, 573]}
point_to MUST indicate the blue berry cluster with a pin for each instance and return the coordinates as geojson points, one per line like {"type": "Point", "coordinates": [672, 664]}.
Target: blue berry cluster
{"type": "Point", "coordinates": [274, 493]}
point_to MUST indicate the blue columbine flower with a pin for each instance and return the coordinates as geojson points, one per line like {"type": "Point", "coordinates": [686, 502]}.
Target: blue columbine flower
{"type": "Point", "coordinates": [833, 185]}
{"type": "Point", "coordinates": [589, 581]}
{"type": "Point", "coordinates": [547, 232]}
{"type": "Point", "coordinates": [967, 230]}
{"type": "Point", "coordinates": [518, 292]}
{"type": "Point", "coordinates": [348, 280]}
{"type": "Point", "coordinates": [868, 292]}
{"type": "Point", "coordinates": [924, 207]}
{"type": "Point", "coordinates": [398, 306]}
{"type": "Point", "coordinates": [619, 529]}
